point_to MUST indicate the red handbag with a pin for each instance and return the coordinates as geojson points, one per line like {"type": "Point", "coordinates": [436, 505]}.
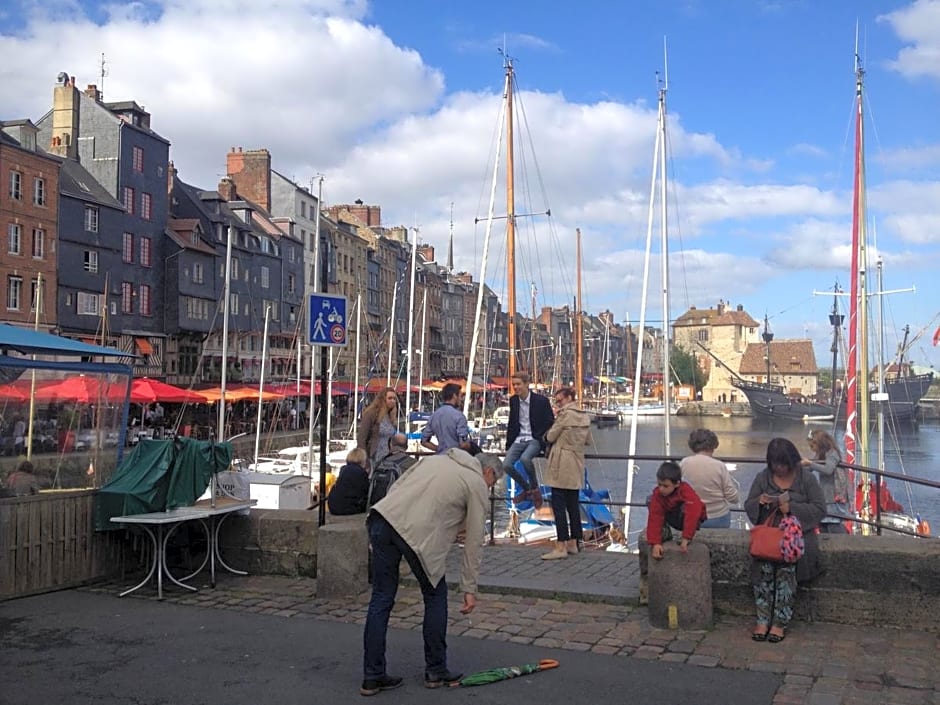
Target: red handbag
{"type": "Point", "coordinates": [767, 540]}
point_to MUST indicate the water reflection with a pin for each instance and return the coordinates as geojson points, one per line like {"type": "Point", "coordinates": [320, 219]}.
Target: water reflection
{"type": "Point", "coordinates": [747, 438]}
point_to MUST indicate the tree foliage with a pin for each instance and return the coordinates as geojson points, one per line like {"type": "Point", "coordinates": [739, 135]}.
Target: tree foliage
{"type": "Point", "coordinates": [686, 367]}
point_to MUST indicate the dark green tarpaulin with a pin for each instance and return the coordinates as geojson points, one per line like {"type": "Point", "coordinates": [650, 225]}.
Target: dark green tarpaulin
{"type": "Point", "coordinates": [160, 475]}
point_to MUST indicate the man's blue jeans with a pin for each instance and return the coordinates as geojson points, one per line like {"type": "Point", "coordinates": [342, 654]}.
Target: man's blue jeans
{"type": "Point", "coordinates": [523, 451]}
{"type": "Point", "coordinates": [387, 551]}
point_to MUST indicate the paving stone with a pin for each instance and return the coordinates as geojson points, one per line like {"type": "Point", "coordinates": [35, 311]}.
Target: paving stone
{"type": "Point", "coordinates": [704, 660]}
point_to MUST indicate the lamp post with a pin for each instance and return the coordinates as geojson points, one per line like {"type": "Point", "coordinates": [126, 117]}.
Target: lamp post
{"type": "Point", "coordinates": [767, 337]}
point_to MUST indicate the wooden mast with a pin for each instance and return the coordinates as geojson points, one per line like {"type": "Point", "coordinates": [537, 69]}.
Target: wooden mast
{"type": "Point", "coordinates": [510, 222]}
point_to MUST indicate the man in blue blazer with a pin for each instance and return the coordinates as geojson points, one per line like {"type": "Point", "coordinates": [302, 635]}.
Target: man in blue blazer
{"type": "Point", "coordinates": [530, 417]}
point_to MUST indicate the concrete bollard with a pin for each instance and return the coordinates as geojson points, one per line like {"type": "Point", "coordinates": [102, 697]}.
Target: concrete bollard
{"type": "Point", "coordinates": [343, 557]}
{"type": "Point", "coordinates": [680, 588]}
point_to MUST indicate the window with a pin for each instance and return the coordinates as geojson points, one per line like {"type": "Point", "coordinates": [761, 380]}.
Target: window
{"type": "Point", "coordinates": [703, 335]}
{"type": "Point", "coordinates": [145, 299]}
{"type": "Point", "coordinates": [145, 205]}
{"type": "Point", "coordinates": [127, 297]}
{"type": "Point", "coordinates": [87, 304]}
{"type": "Point", "coordinates": [129, 200]}
{"type": "Point", "coordinates": [138, 160]}
{"type": "Point", "coordinates": [37, 293]}
{"type": "Point", "coordinates": [14, 293]}
{"type": "Point", "coordinates": [91, 219]}
{"type": "Point", "coordinates": [39, 192]}
{"type": "Point", "coordinates": [290, 254]}
{"type": "Point", "coordinates": [197, 309]}
{"type": "Point", "coordinates": [127, 250]}
{"type": "Point", "coordinates": [91, 261]}
{"type": "Point", "coordinates": [198, 274]}
{"type": "Point", "coordinates": [39, 243]}
{"type": "Point", "coordinates": [291, 284]}
{"type": "Point", "coordinates": [303, 209]}
{"type": "Point", "coordinates": [233, 303]}
{"type": "Point", "coordinates": [16, 185]}
{"type": "Point", "coordinates": [145, 251]}
{"type": "Point", "coordinates": [14, 244]}
{"type": "Point", "coordinates": [234, 268]}
{"type": "Point", "coordinates": [265, 277]}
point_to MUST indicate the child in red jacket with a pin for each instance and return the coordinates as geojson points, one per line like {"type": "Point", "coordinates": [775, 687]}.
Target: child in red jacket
{"type": "Point", "coordinates": [674, 503]}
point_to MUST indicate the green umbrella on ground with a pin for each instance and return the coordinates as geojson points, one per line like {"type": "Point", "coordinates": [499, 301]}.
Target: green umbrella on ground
{"type": "Point", "coordinates": [500, 674]}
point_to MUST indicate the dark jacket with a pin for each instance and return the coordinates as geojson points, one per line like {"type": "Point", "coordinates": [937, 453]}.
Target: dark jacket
{"type": "Point", "coordinates": [350, 491]}
{"type": "Point", "coordinates": [541, 417]}
{"type": "Point", "coordinates": [806, 503]}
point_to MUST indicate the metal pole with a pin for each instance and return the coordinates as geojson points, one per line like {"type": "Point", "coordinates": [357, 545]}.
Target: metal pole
{"type": "Point", "coordinates": [264, 357]}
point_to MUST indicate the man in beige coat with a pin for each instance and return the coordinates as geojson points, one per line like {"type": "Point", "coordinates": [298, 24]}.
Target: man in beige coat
{"type": "Point", "coordinates": [568, 437]}
{"type": "Point", "coordinates": [419, 519]}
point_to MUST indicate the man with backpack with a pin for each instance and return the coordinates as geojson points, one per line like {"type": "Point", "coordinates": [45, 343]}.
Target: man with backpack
{"type": "Point", "coordinates": [418, 520]}
{"type": "Point", "coordinates": [389, 468]}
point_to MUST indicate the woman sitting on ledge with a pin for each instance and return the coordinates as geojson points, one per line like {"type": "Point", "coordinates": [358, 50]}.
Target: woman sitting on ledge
{"type": "Point", "coordinates": [787, 486]}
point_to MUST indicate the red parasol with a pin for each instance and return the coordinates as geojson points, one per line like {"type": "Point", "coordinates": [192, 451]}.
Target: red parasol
{"type": "Point", "coordinates": [145, 391]}
{"type": "Point", "coordinates": [81, 389]}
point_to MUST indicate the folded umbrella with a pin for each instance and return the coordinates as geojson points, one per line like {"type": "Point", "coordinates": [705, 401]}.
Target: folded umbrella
{"type": "Point", "coordinates": [500, 674]}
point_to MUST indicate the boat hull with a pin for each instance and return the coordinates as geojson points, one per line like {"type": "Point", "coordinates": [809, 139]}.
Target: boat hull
{"type": "Point", "coordinates": [770, 400]}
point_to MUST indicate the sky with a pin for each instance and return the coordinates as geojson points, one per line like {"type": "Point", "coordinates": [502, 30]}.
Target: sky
{"type": "Point", "coordinates": [398, 103]}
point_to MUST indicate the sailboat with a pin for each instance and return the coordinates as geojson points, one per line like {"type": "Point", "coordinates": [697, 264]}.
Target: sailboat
{"type": "Point", "coordinates": [526, 524]}
{"type": "Point", "coordinates": [872, 496]}
{"type": "Point", "coordinates": [659, 179]}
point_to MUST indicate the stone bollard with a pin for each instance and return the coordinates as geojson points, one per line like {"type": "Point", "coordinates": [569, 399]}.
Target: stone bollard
{"type": "Point", "coordinates": [680, 588]}
{"type": "Point", "coordinates": [343, 557]}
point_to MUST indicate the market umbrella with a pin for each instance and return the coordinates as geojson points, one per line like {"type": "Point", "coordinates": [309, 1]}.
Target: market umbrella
{"type": "Point", "coordinates": [145, 391]}
{"type": "Point", "coordinates": [505, 673]}
{"type": "Point", "coordinates": [237, 394]}
{"type": "Point", "coordinates": [11, 392]}
{"type": "Point", "coordinates": [81, 389]}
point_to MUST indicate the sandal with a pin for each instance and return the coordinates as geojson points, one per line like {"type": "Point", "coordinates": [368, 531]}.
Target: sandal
{"type": "Point", "coordinates": [776, 638]}
{"type": "Point", "coordinates": [759, 636]}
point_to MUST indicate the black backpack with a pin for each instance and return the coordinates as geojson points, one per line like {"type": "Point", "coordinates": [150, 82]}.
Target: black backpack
{"type": "Point", "coordinates": [389, 469]}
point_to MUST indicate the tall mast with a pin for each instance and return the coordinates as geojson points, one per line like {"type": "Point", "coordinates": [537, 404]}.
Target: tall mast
{"type": "Point", "coordinates": [857, 417]}
{"type": "Point", "coordinates": [664, 264]}
{"type": "Point", "coordinates": [579, 338]}
{"type": "Point", "coordinates": [835, 320]}
{"type": "Point", "coordinates": [510, 221]}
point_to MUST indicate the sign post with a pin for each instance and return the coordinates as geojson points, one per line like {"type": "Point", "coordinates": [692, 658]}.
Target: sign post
{"type": "Point", "coordinates": [326, 328]}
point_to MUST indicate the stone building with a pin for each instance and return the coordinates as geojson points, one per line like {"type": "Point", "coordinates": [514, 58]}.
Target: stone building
{"type": "Point", "coordinates": [717, 334]}
{"type": "Point", "coordinates": [792, 366]}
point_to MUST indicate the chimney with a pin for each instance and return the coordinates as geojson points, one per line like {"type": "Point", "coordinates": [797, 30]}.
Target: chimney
{"type": "Point", "coordinates": [227, 189]}
{"type": "Point", "coordinates": [92, 92]}
{"type": "Point", "coordinates": [427, 252]}
{"type": "Point", "coordinates": [170, 178]}
{"type": "Point", "coordinates": [251, 171]}
{"type": "Point", "coordinates": [65, 121]}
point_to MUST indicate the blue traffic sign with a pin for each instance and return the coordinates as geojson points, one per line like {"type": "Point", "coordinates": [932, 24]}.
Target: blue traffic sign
{"type": "Point", "coordinates": [327, 323]}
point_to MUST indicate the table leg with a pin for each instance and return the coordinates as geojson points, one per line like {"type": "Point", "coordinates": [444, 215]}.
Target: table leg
{"type": "Point", "coordinates": [165, 569]}
{"type": "Point", "coordinates": [216, 554]}
{"type": "Point", "coordinates": [154, 563]}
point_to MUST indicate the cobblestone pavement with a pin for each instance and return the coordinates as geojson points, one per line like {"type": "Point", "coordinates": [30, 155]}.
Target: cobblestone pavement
{"type": "Point", "coordinates": [588, 603]}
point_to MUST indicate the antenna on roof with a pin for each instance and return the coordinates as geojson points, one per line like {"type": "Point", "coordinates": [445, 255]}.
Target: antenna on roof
{"type": "Point", "coordinates": [103, 67]}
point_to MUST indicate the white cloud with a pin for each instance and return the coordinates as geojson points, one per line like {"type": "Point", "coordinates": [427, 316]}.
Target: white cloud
{"type": "Point", "coordinates": [918, 25]}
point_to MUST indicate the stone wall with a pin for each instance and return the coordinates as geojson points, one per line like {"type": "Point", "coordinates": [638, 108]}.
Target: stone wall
{"type": "Point", "coordinates": [272, 542]}
{"type": "Point", "coordinates": [877, 580]}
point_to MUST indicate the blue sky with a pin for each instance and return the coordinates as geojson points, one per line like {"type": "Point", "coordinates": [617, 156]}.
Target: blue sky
{"type": "Point", "coordinates": [397, 102]}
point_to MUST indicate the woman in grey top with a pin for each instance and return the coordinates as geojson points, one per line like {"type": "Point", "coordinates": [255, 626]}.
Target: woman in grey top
{"type": "Point", "coordinates": [833, 479]}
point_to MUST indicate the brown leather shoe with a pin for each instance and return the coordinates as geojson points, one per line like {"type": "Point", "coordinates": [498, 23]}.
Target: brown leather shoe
{"type": "Point", "coordinates": [536, 497]}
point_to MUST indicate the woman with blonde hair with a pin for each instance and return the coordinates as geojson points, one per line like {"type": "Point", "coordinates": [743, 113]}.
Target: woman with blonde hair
{"type": "Point", "coordinates": [833, 479]}
{"type": "Point", "coordinates": [378, 424]}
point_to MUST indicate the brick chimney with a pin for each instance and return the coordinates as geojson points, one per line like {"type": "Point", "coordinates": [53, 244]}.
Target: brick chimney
{"type": "Point", "coordinates": [92, 92]}
{"type": "Point", "coordinates": [427, 252]}
{"type": "Point", "coordinates": [227, 189]}
{"type": "Point", "coordinates": [170, 177]}
{"type": "Point", "coordinates": [251, 171]}
{"type": "Point", "coordinates": [65, 122]}
{"type": "Point", "coordinates": [370, 215]}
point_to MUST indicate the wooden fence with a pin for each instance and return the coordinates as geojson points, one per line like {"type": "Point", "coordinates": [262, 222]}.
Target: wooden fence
{"type": "Point", "coordinates": [48, 542]}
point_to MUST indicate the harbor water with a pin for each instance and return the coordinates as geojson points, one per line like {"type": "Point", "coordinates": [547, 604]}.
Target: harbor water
{"type": "Point", "coordinates": [747, 438]}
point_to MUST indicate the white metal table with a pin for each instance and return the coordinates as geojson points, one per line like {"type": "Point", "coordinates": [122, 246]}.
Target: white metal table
{"type": "Point", "coordinates": [160, 527]}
